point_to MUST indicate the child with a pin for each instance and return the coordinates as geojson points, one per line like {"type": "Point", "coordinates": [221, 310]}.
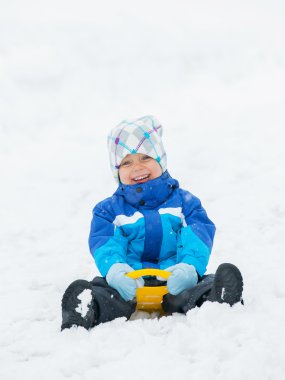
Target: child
{"type": "Point", "coordinates": [149, 222]}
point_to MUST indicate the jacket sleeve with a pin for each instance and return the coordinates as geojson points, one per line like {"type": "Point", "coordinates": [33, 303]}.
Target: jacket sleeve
{"type": "Point", "coordinates": [195, 238]}
{"type": "Point", "coordinates": [106, 242]}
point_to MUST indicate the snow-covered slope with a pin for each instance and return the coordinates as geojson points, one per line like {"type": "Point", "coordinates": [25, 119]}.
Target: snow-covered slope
{"type": "Point", "coordinates": [214, 74]}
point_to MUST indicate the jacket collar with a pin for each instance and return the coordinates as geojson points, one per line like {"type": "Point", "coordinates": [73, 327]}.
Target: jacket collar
{"type": "Point", "coordinates": [150, 194]}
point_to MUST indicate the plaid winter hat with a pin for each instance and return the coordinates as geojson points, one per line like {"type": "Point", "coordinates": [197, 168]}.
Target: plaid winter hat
{"type": "Point", "coordinates": [141, 135]}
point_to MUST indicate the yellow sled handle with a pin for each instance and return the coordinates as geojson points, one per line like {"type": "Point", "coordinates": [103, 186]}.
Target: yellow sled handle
{"type": "Point", "coordinates": [149, 298]}
{"type": "Point", "coordinates": [149, 272]}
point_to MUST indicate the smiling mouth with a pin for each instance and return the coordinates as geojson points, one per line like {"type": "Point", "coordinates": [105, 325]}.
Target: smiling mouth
{"type": "Point", "coordinates": [142, 178]}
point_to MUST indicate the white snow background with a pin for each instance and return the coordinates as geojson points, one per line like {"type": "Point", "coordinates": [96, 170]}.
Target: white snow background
{"type": "Point", "coordinates": [213, 73]}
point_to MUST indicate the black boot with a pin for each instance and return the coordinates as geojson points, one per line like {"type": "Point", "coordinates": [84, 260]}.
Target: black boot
{"type": "Point", "coordinates": [71, 312]}
{"type": "Point", "coordinates": [227, 286]}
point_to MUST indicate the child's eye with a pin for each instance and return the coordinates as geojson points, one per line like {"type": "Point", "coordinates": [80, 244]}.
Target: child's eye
{"type": "Point", "coordinates": [145, 158]}
{"type": "Point", "coordinates": [126, 163]}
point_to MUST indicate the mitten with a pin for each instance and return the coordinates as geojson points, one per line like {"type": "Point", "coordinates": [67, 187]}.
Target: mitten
{"type": "Point", "coordinates": [126, 286]}
{"type": "Point", "coordinates": [183, 276]}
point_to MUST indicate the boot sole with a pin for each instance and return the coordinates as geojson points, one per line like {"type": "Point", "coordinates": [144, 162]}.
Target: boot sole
{"type": "Point", "coordinates": [70, 302]}
{"type": "Point", "coordinates": [228, 285]}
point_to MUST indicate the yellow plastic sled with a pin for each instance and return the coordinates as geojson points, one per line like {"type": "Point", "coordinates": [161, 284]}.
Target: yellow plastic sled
{"type": "Point", "coordinates": [149, 298]}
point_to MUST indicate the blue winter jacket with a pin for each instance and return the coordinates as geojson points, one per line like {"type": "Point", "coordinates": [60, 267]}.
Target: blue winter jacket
{"type": "Point", "coordinates": [151, 225]}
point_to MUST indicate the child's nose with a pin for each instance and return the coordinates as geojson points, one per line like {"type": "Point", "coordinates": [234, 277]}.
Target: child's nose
{"type": "Point", "coordinates": [138, 168]}
{"type": "Point", "coordinates": [138, 165]}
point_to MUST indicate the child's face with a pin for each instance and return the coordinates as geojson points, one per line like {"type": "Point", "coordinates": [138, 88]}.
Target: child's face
{"type": "Point", "coordinates": [138, 168]}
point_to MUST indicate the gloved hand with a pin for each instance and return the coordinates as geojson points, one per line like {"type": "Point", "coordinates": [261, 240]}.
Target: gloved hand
{"type": "Point", "coordinates": [126, 286]}
{"type": "Point", "coordinates": [183, 276]}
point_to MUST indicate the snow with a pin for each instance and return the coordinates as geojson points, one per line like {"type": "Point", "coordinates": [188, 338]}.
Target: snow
{"type": "Point", "coordinates": [214, 74]}
{"type": "Point", "coordinates": [85, 297]}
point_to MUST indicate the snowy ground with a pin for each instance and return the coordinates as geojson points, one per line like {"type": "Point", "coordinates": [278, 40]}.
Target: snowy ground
{"type": "Point", "coordinates": [213, 72]}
